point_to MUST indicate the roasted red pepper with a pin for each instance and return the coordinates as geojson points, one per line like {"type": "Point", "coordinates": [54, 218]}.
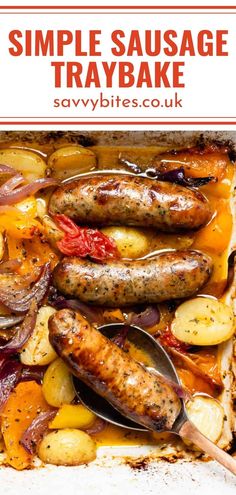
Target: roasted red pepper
{"type": "Point", "coordinates": [83, 241]}
{"type": "Point", "coordinates": [168, 339]}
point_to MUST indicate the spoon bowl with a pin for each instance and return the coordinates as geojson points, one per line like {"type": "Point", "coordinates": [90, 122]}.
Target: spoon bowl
{"type": "Point", "coordinates": [162, 364]}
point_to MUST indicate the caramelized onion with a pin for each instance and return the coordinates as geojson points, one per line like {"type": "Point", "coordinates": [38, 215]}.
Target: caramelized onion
{"type": "Point", "coordinates": [177, 176]}
{"type": "Point", "coordinates": [35, 432]}
{"type": "Point", "coordinates": [120, 338]}
{"type": "Point", "coordinates": [11, 184]}
{"type": "Point", "coordinates": [33, 373]}
{"type": "Point", "coordinates": [23, 332]}
{"type": "Point", "coordinates": [98, 426]}
{"type": "Point", "coordinates": [19, 300]}
{"type": "Point", "coordinates": [5, 169]}
{"type": "Point", "coordinates": [9, 320]}
{"type": "Point", "coordinates": [92, 313]}
{"type": "Point", "coordinates": [147, 318]}
{"type": "Point", "coordinates": [10, 372]}
{"type": "Point", "coordinates": [23, 192]}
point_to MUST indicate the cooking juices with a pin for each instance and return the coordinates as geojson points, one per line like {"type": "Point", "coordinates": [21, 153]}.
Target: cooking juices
{"type": "Point", "coordinates": [32, 238]}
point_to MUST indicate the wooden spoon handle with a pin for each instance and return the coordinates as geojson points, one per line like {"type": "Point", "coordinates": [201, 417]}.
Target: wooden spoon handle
{"type": "Point", "coordinates": [190, 432]}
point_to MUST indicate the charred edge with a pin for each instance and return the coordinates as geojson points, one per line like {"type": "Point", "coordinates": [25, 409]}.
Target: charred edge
{"type": "Point", "coordinates": [203, 145]}
{"type": "Point", "coordinates": [232, 449]}
{"type": "Point", "coordinates": [160, 423]}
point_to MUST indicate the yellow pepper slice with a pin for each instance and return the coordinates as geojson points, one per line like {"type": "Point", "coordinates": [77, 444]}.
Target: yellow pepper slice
{"type": "Point", "coordinates": [72, 416]}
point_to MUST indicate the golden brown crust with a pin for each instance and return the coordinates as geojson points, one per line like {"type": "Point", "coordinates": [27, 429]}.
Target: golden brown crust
{"type": "Point", "coordinates": [170, 275]}
{"type": "Point", "coordinates": [128, 200]}
{"type": "Point", "coordinates": [112, 373]}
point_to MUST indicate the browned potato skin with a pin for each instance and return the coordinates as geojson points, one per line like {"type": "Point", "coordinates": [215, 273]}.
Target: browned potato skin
{"type": "Point", "coordinates": [128, 200]}
{"type": "Point", "coordinates": [170, 275]}
{"type": "Point", "coordinates": [112, 373]}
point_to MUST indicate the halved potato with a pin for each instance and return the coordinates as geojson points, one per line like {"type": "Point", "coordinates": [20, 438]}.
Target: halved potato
{"type": "Point", "coordinates": [203, 321]}
{"type": "Point", "coordinates": [58, 386]}
{"type": "Point", "coordinates": [67, 447]}
{"type": "Point", "coordinates": [131, 242]}
{"type": "Point", "coordinates": [38, 350]}
{"type": "Point", "coordinates": [207, 414]}
{"type": "Point", "coordinates": [71, 160]}
{"type": "Point", "coordinates": [31, 165]}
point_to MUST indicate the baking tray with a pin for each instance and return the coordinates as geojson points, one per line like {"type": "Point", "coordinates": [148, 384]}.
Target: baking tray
{"type": "Point", "coordinates": [119, 469]}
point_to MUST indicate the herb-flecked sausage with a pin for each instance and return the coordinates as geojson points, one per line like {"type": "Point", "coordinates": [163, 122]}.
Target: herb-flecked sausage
{"type": "Point", "coordinates": [169, 275]}
{"type": "Point", "coordinates": [112, 373]}
{"type": "Point", "coordinates": [129, 200]}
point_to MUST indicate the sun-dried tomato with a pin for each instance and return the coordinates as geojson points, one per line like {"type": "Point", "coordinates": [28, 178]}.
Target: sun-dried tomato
{"type": "Point", "coordinates": [84, 241]}
{"type": "Point", "coordinates": [168, 339]}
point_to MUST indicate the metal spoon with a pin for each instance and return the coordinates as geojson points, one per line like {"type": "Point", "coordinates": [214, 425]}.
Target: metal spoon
{"type": "Point", "coordinates": [163, 365]}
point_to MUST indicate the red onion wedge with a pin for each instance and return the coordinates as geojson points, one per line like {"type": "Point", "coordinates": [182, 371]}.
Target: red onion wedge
{"type": "Point", "coordinates": [120, 338]}
{"type": "Point", "coordinates": [10, 372]}
{"type": "Point", "coordinates": [19, 300]}
{"type": "Point", "coordinates": [9, 321]}
{"type": "Point", "coordinates": [35, 432]}
{"type": "Point", "coordinates": [92, 313]}
{"type": "Point", "coordinates": [5, 169]}
{"type": "Point", "coordinates": [177, 176]}
{"type": "Point", "coordinates": [23, 332]}
{"type": "Point", "coordinates": [23, 192]}
{"type": "Point", "coordinates": [11, 184]}
{"type": "Point", "coordinates": [147, 318]}
{"type": "Point", "coordinates": [98, 426]}
{"type": "Point", "coordinates": [34, 373]}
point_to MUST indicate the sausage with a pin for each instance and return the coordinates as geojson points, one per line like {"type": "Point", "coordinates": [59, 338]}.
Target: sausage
{"type": "Point", "coordinates": [129, 200]}
{"type": "Point", "coordinates": [169, 275]}
{"type": "Point", "coordinates": [112, 373]}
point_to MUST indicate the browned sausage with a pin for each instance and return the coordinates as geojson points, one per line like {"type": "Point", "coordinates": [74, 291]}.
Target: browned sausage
{"type": "Point", "coordinates": [170, 275]}
{"type": "Point", "coordinates": [112, 373]}
{"type": "Point", "coordinates": [129, 200]}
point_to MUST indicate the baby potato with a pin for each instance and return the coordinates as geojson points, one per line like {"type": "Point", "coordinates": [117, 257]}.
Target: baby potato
{"type": "Point", "coordinates": [41, 207]}
{"type": "Point", "coordinates": [207, 415]}
{"type": "Point", "coordinates": [38, 350]}
{"type": "Point", "coordinates": [72, 416]}
{"type": "Point", "coordinates": [203, 321]}
{"type": "Point", "coordinates": [71, 160]}
{"type": "Point", "coordinates": [57, 386]}
{"type": "Point", "coordinates": [67, 447]}
{"type": "Point", "coordinates": [131, 242]}
{"type": "Point", "coordinates": [52, 232]}
{"type": "Point", "coordinates": [31, 165]}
